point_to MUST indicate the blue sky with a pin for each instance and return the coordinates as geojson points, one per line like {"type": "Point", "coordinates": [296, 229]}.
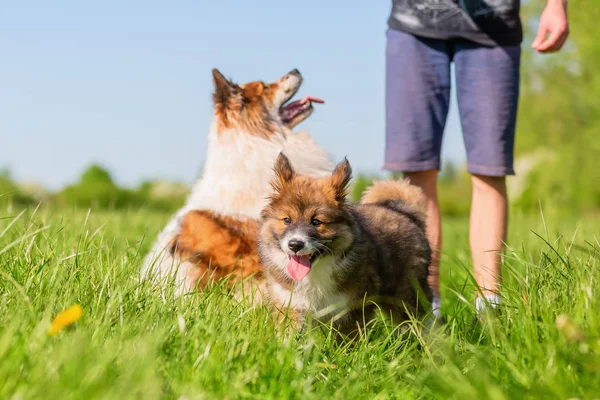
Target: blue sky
{"type": "Point", "coordinates": [128, 84]}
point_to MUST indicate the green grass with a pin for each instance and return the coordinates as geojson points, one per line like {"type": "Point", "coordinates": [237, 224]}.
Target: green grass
{"type": "Point", "coordinates": [137, 341]}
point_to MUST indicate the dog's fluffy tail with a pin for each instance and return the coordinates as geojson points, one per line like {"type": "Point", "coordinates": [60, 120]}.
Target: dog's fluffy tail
{"type": "Point", "coordinates": [389, 192]}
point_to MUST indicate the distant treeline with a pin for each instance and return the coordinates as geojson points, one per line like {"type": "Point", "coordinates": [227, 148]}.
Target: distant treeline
{"type": "Point", "coordinates": [95, 189]}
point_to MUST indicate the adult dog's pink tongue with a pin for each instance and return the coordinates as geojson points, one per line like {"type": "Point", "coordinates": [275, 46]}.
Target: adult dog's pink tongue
{"type": "Point", "coordinates": [298, 267]}
{"type": "Point", "coordinates": [311, 99]}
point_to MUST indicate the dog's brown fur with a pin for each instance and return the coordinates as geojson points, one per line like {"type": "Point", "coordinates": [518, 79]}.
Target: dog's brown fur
{"type": "Point", "coordinates": [252, 100]}
{"type": "Point", "coordinates": [374, 250]}
{"type": "Point", "coordinates": [218, 246]}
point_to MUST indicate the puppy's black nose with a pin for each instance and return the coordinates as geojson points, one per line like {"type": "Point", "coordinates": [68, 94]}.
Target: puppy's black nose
{"type": "Point", "coordinates": [296, 245]}
{"type": "Point", "coordinates": [295, 72]}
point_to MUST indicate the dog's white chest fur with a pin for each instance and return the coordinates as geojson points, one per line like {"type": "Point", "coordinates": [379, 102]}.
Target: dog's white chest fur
{"type": "Point", "coordinates": [318, 292]}
{"type": "Point", "coordinates": [239, 167]}
{"type": "Point", "coordinates": [235, 174]}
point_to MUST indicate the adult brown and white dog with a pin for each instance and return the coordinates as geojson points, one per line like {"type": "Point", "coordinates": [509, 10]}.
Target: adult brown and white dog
{"type": "Point", "coordinates": [214, 234]}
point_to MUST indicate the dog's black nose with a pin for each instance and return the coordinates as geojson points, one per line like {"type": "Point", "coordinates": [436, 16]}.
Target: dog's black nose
{"type": "Point", "coordinates": [296, 245]}
{"type": "Point", "coordinates": [295, 72]}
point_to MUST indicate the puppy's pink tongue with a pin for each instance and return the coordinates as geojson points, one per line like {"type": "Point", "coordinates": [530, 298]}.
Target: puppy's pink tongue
{"type": "Point", "coordinates": [298, 267]}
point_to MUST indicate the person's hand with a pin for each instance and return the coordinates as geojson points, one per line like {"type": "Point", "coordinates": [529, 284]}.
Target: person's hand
{"type": "Point", "coordinates": [554, 27]}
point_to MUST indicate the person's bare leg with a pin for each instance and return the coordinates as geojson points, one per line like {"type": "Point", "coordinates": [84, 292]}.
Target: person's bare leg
{"type": "Point", "coordinates": [487, 232]}
{"type": "Point", "coordinates": [427, 181]}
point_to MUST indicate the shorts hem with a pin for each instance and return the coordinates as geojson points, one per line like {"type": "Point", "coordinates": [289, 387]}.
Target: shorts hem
{"type": "Point", "coordinates": [411, 166]}
{"type": "Point", "coordinates": [489, 171]}
{"type": "Point", "coordinates": [480, 38]}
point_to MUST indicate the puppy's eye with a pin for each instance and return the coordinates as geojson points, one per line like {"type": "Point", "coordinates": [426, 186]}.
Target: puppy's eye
{"type": "Point", "coordinates": [315, 222]}
{"type": "Point", "coordinates": [266, 87]}
{"type": "Point", "coordinates": [287, 221]}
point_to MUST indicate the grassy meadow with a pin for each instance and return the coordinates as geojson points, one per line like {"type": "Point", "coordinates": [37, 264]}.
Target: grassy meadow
{"type": "Point", "coordinates": [138, 341]}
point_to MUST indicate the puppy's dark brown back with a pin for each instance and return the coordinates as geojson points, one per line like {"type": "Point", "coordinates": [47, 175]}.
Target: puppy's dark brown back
{"type": "Point", "coordinates": [403, 253]}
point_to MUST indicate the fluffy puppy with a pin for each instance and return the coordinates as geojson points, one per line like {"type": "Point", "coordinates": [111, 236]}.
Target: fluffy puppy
{"type": "Point", "coordinates": [340, 261]}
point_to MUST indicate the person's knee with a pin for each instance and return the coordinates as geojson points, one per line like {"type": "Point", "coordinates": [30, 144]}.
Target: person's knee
{"type": "Point", "coordinates": [424, 179]}
{"type": "Point", "coordinates": [486, 183]}
{"type": "Point", "coordinates": [427, 181]}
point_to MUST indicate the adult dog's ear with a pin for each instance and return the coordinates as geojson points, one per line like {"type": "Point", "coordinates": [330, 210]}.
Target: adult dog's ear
{"type": "Point", "coordinates": [340, 180]}
{"type": "Point", "coordinates": [284, 173]}
{"type": "Point", "coordinates": [224, 89]}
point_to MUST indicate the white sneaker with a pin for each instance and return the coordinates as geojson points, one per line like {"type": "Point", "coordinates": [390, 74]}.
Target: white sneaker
{"type": "Point", "coordinates": [488, 302]}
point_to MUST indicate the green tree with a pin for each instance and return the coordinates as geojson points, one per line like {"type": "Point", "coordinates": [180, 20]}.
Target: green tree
{"type": "Point", "coordinates": [559, 113]}
{"type": "Point", "coordinates": [96, 175]}
{"type": "Point", "coordinates": [96, 189]}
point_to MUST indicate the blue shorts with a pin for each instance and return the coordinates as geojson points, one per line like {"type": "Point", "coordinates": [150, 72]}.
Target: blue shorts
{"type": "Point", "coordinates": [418, 94]}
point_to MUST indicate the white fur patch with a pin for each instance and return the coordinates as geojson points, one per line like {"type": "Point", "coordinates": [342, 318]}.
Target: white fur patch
{"type": "Point", "coordinates": [317, 292]}
{"type": "Point", "coordinates": [309, 245]}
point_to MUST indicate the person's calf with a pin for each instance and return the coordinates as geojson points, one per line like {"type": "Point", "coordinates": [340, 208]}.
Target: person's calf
{"type": "Point", "coordinates": [487, 236]}
{"type": "Point", "coordinates": [427, 181]}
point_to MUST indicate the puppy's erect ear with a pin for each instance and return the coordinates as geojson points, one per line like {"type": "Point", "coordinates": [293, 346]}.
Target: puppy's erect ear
{"type": "Point", "coordinates": [284, 173]}
{"type": "Point", "coordinates": [224, 89]}
{"type": "Point", "coordinates": [340, 179]}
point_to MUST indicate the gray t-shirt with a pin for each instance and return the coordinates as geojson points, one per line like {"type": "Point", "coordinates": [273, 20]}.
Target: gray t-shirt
{"type": "Point", "coordinates": [488, 22]}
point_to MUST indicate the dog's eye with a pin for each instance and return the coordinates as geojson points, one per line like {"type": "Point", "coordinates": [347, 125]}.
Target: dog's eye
{"type": "Point", "coordinates": [266, 87]}
{"type": "Point", "coordinates": [315, 222]}
{"type": "Point", "coordinates": [287, 221]}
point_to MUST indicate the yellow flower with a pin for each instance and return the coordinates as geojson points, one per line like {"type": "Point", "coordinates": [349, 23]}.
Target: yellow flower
{"type": "Point", "coordinates": [65, 318]}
